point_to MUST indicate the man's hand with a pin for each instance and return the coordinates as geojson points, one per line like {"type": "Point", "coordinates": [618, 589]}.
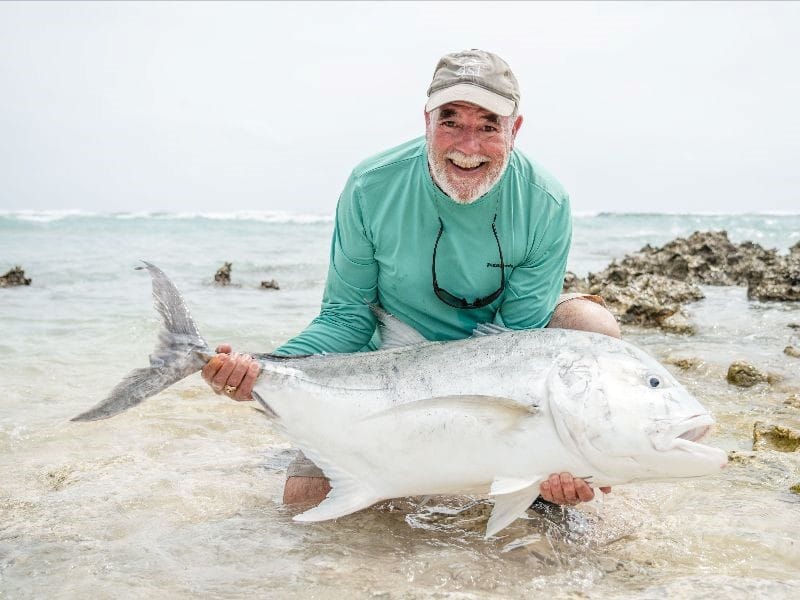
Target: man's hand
{"type": "Point", "coordinates": [563, 488]}
{"type": "Point", "coordinates": [231, 374]}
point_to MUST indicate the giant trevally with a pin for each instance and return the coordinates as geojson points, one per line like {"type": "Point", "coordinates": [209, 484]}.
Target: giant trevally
{"type": "Point", "coordinates": [493, 414]}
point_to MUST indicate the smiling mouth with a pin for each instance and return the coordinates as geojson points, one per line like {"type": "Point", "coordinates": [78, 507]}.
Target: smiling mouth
{"type": "Point", "coordinates": [465, 167]}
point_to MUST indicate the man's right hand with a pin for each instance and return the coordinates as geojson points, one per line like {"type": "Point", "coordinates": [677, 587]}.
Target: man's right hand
{"type": "Point", "coordinates": [231, 374]}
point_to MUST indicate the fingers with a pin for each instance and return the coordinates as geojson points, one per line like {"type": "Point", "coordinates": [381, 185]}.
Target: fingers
{"type": "Point", "coordinates": [224, 349]}
{"type": "Point", "coordinates": [232, 374]}
{"type": "Point", "coordinates": [563, 488]}
{"type": "Point", "coordinates": [211, 369]}
{"type": "Point", "coordinates": [245, 391]}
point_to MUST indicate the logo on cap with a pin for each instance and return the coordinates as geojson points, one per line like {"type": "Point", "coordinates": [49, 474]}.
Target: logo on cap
{"type": "Point", "coordinates": [471, 68]}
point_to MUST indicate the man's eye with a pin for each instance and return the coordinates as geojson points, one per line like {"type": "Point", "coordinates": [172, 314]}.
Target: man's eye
{"type": "Point", "coordinates": [449, 123]}
{"type": "Point", "coordinates": [489, 128]}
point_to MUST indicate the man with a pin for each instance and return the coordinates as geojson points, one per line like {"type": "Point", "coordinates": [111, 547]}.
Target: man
{"type": "Point", "coordinates": [445, 232]}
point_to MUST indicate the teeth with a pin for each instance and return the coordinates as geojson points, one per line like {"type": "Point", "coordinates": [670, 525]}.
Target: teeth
{"type": "Point", "coordinates": [467, 162]}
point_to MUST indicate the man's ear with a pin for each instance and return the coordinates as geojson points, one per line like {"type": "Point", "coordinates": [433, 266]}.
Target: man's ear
{"type": "Point", "coordinates": [427, 119]}
{"type": "Point", "coordinates": [515, 129]}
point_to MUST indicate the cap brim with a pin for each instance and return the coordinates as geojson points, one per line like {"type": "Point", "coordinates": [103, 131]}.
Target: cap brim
{"type": "Point", "coordinates": [465, 92]}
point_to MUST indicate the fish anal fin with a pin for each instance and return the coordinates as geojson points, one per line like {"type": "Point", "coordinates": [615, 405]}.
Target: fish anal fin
{"type": "Point", "coordinates": [348, 493]}
{"type": "Point", "coordinates": [347, 496]}
{"type": "Point", "coordinates": [512, 504]}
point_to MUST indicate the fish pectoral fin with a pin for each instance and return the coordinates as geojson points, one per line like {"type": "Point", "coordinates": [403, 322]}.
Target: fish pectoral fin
{"type": "Point", "coordinates": [513, 497]}
{"type": "Point", "coordinates": [394, 332]}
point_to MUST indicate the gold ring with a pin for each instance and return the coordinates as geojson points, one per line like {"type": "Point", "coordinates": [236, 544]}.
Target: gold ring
{"type": "Point", "coordinates": [229, 389]}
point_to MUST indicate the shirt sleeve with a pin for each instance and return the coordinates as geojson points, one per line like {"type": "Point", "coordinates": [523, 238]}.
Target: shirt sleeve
{"type": "Point", "coordinates": [345, 322]}
{"type": "Point", "coordinates": [534, 286]}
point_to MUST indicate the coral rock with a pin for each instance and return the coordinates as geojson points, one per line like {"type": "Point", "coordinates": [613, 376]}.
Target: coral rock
{"type": "Point", "coordinates": [14, 277]}
{"type": "Point", "coordinates": [743, 374]}
{"type": "Point", "coordinates": [223, 274]}
{"type": "Point", "coordinates": [775, 437]}
{"type": "Point", "coordinates": [270, 285]}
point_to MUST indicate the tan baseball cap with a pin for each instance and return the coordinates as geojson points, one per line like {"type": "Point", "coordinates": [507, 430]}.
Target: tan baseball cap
{"type": "Point", "coordinates": [474, 76]}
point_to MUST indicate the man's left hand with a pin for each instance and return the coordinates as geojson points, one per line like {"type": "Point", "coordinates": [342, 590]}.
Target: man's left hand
{"type": "Point", "coordinates": [563, 488]}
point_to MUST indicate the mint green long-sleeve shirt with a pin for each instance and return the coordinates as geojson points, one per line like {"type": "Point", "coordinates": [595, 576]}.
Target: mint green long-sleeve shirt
{"type": "Point", "coordinates": [387, 221]}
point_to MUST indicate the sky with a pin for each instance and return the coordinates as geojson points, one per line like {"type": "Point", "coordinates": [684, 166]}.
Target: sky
{"type": "Point", "coordinates": [220, 107]}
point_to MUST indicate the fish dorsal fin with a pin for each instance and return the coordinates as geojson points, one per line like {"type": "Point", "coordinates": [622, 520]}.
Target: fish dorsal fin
{"type": "Point", "coordinates": [395, 333]}
{"type": "Point", "coordinates": [513, 497]}
{"type": "Point", "coordinates": [348, 494]}
{"type": "Point", "coordinates": [489, 329]}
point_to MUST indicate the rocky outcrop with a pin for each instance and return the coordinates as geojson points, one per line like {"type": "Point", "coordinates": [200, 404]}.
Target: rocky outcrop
{"type": "Point", "coordinates": [778, 279]}
{"type": "Point", "coordinates": [223, 274]}
{"type": "Point", "coordinates": [650, 287]}
{"type": "Point", "coordinates": [14, 277]}
{"type": "Point", "coordinates": [707, 258]}
{"type": "Point", "coordinates": [638, 298]}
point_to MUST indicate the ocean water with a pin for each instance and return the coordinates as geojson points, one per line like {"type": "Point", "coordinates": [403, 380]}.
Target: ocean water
{"type": "Point", "coordinates": [180, 496]}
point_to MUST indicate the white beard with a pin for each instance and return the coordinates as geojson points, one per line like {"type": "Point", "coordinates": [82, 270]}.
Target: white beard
{"type": "Point", "coordinates": [459, 191]}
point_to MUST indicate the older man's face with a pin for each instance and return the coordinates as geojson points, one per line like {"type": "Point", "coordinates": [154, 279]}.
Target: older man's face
{"type": "Point", "coordinates": [468, 148]}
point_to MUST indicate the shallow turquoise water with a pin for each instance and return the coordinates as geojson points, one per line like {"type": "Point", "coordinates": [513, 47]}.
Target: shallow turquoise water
{"type": "Point", "coordinates": [181, 497]}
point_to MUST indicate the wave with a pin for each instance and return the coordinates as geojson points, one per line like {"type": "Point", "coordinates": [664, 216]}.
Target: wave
{"type": "Point", "coordinates": [46, 216]}
{"type": "Point", "coordinates": [614, 214]}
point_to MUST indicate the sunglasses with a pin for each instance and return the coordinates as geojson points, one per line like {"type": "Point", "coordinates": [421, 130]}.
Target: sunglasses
{"type": "Point", "coordinates": [455, 301]}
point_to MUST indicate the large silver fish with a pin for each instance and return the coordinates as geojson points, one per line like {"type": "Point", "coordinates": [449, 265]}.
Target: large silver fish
{"type": "Point", "coordinates": [493, 414]}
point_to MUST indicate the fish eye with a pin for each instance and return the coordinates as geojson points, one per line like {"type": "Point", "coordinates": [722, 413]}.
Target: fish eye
{"type": "Point", "coordinates": [653, 381]}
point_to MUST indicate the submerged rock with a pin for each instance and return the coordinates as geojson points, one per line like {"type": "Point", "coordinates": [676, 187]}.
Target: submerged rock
{"type": "Point", "coordinates": [272, 284]}
{"type": "Point", "coordinates": [685, 364]}
{"type": "Point", "coordinates": [14, 277]}
{"type": "Point", "coordinates": [793, 401]}
{"type": "Point", "coordinates": [775, 437]}
{"type": "Point", "coordinates": [795, 488]}
{"type": "Point", "coordinates": [743, 374]}
{"type": "Point", "coordinates": [792, 351]}
{"type": "Point", "coordinates": [737, 457]}
{"type": "Point", "coordinates": [223, 274]}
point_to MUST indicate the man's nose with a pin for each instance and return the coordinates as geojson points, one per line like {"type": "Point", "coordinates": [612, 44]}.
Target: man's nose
{"type": "Point", "coordinates": [468, 142]}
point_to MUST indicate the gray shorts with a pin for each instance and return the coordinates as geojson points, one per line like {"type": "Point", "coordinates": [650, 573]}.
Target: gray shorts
{"type": "Point", "coordinates": [302, 467]}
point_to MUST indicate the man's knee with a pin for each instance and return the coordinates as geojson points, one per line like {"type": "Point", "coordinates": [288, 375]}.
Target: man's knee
{"type": "Point", "coordinates": [305, 490]}
{"type": "Point", "coordinates": [585, 315]}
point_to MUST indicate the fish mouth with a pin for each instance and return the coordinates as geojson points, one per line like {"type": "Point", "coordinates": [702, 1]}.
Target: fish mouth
{"type": "Point", "coordinates": [696, 430]}
{"type": "Point", "coordinates": [691, 430]}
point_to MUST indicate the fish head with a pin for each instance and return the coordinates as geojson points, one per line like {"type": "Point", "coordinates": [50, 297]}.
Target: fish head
{"type": "Point", "coordinates": [628, 417]}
